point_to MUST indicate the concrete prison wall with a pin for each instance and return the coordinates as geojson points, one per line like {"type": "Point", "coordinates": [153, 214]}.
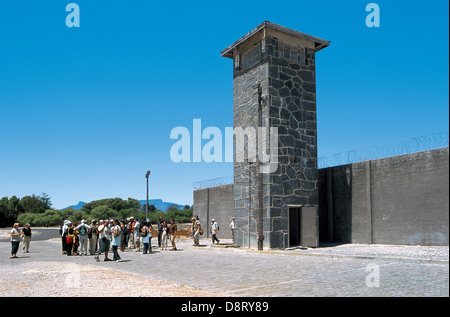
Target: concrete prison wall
{"type": "Point", "coordinates": [400, 200]}
{"type": "Point", "coordinates": [397, 200]}
{"type": "Point", "coordinates": [215, 203]}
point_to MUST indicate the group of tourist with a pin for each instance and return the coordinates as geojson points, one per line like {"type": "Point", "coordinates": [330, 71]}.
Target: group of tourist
{"type": "Point", "coordinates": [104, 235]}
{"type": "Point", "coordinates": [116, 235]}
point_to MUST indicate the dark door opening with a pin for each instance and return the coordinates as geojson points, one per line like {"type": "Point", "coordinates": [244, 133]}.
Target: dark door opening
{"type": "Point", "coordinates": [295, 226]}
{"type": "Point", "coordinates": [303, 227]}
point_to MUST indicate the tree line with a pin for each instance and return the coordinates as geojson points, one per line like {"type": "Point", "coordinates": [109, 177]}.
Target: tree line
{"type": "Point", "coordinates": [38, 211]}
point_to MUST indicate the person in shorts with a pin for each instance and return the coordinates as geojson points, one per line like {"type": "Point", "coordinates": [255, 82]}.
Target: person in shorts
{"type": "Point", "coordinates": [104, 231]}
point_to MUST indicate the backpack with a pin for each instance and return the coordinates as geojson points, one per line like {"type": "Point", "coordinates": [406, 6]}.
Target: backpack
{"type": "Point", "coordinates": [144, 232]}
{"type": "Point", "coordinates": [83, 230]}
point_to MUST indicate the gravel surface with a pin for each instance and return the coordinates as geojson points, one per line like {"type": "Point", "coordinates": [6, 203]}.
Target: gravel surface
{"type": "Point", "coordinates": [62, 279]}
{"type": "Point", "coordinates": [38, 275]}
{"type": "Point", "coordinates": [224, 271]}
{"type": "Point", "coordinates": [380, 251]}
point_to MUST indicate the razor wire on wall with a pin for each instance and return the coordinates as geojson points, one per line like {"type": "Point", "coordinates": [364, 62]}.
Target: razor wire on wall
{"type": "Point", "coordinates": [226, 180]}
{"type": "Point", "coordinates": [424, 143]}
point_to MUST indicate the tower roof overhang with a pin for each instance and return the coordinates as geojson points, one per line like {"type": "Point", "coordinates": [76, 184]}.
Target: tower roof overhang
{"type": "Point", "coordinates": [317, 43]}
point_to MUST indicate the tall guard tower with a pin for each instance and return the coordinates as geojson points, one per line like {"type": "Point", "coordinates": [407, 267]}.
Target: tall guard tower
{"type": "Point", "coordinates": [275, 87]}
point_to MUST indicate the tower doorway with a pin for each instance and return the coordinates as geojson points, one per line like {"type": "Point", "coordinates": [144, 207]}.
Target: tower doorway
{"type": "Point", "coordinates": [303, 226]}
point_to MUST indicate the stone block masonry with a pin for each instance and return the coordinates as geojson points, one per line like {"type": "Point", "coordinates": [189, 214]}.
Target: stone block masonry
{"type": "Point", "coordinates": [282, 62]}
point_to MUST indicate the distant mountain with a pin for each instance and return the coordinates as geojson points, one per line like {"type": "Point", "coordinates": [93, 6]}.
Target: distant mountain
{"type": "Point", "coordinates": [158, 203]}
{"type": "Point", "coordinates": [77, 206]}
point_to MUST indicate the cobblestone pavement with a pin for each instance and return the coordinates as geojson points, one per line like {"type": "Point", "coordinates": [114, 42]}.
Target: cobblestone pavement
{"type": "Point", "coordinates": [333, 270]}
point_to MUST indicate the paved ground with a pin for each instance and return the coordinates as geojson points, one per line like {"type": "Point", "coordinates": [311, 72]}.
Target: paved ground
{"type": "Point", "coordinates": [333, 270]}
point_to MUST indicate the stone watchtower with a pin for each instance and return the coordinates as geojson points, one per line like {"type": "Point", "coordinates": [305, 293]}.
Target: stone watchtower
{"type": "Point", "coordinates": [275, 87]}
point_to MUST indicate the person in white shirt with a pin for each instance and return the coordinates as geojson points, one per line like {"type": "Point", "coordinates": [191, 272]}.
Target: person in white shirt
{"type": "Point", "coordinates": [63, 232]}
{"type": "Point", "coordinates": [214, 231]}
{"type": "Point", "coordinates": [137, 235]}
{"type": "Point", "coordinates": [15, 240]}
{"type": "Point", "coordinates": [116, 237]}
{"type": "Point", "coordinates": [231, 227]}
{"type": "Point", "coordinates": [104, 231]}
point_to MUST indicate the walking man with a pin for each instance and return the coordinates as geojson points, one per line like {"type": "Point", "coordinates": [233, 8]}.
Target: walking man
{"type": "Point", "coordinates": [214, 231]}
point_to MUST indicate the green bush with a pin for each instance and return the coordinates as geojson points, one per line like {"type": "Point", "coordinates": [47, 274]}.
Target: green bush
{"type": "Point", "coordinates": [184, 215]}
{"type": "Point", "coordinates": [49, 218]}
{"type": "Point", "coordinates": [26, 217]}
{"type": "Point", "coordinates": [46, 219]}
{"type": "Point", "coordinates": [103, 212]}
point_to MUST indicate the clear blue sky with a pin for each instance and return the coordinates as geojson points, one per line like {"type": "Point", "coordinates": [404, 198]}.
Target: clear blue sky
{"type": "Point", "coordinates": [84, 112]}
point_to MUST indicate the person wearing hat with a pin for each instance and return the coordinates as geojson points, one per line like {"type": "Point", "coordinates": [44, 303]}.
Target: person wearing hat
{"type": "Point", "coordinates": [83, 230]}
{"type": "Point", "coordinates": [70, 238]}
{"type": "Point", "coordinates": [63, 232]}
{"type": "Point", "coordinates": [214, 231]}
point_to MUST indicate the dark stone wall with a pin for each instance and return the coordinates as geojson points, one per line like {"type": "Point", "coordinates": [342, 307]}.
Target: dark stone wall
{"type": "Point", "coordinates": [245, 190]}
{"type": "Point", "coordinates": [290, 106]}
